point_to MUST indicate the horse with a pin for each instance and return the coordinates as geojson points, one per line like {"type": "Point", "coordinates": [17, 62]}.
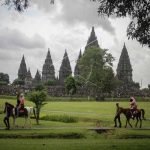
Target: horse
{"type": "Point", "coordinates": [10, 112]}
{"type": "Point", "coordinates": [139, 115]}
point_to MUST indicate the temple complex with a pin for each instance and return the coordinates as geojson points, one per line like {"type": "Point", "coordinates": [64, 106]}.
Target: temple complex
{"type": "Point", "coordinates": [47, 75]}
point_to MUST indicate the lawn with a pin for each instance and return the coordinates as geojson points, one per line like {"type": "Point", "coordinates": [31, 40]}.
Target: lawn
{"type": "Point", "coordinates": [57, 133]}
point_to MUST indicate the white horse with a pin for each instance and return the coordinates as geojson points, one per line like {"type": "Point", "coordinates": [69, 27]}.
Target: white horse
{"type": "Point", "coordinates": [10, 112]}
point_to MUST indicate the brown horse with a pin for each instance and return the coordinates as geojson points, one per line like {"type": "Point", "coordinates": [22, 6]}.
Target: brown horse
{"type": "Point", "coordinates": [139, 115]}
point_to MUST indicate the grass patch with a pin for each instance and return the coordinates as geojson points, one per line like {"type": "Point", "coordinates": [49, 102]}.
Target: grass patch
{"type": "Point", "coordinates": [71, 135]}
{"type": "Point", "coordinates": [7, 97]}
{"type": "Point", "coordinates": [60, 118]}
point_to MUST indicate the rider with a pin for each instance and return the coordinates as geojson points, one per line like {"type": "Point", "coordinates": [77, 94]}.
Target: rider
{"type": "Point", "coordinates": [133, 106]}
{"type": "Point", "coordinates": [20, 102]}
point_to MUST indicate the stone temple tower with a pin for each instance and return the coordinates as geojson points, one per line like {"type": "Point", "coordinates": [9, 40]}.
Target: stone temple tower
{"type": "Point", "coordinates": [77, 69]}
{"type": "Point", "coordinates": [48, 72]}
{"type": "Point", "coordinates": [92, 41]}
{"type": "Point", "coordinates": [22, 72]}
{"type": "Point", "coordinates": [124, 69]}
{"type": "Point", "coordinates": [65, 69]}
{"type": "Point", "coordinates": [37, 79]}
{"type": "Point", "coordinates": [28, 79]}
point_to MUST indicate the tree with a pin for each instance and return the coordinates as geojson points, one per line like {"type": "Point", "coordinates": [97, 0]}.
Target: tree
{"type": "Point", "coordinates": [18, 82]}
{"type": "Point", "coordinates": [96, 69]}
{"type": "Point", "coordinates": [50, 83]}
{"type": "Point", "coordinates": [4, 79]}
{"type": "Point", "coordinates": [19, 5]}
{"type": "Point", "coordinates": [137, 10]}
{"type": "Point", "coordinates": [38, 98]}
{"type": "Point", "coordinates": [70, 85]}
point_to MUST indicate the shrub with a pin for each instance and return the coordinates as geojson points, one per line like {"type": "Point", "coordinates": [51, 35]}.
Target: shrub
{"type": "Point", "coordinates": [60, 118]}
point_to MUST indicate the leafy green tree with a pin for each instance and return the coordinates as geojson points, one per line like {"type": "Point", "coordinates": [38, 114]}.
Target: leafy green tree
{"type": "Point", "coordinates": [40, 87]}
{"type": "Point", "coordinates": [4, 79]}
{"type": "Point", "coordinates": [70, 85]}
{"type": "Point", "coordinates": [137, 10]}
{"type": "Point", "coordinates": [50, 83]}
{"type": "Point", "coordinates": [18, 82]}
{"type": "Point", "coordinates": [38, 98]}
{"type": "Point", "coordinates": [96, 69]}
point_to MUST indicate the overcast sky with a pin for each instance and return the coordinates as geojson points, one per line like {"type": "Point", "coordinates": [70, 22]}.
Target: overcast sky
{"type": "Point", "coordinates": [65, 25]}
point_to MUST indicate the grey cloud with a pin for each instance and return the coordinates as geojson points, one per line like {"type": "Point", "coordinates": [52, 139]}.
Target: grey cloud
{"type": "Point", "coordinates": [14, 39]}
{"type": "Point", "coordinates": [44, 5]}
{"type": "Point", "coordinates": [76, 12]}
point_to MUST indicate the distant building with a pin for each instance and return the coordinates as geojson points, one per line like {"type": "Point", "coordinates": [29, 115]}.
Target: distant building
{"type": "Point", "coordinates": [48, 72]}
{"type": "Point", "coordinates": [77, 68]}
{"type": "Point", "coordinates": [22, 72]}
{"type": "Point", "coordinates": [37, 79]}
{"type": "Point", "coordinates": [92, 40]}
{"type": "Point", "coordinates": [65, 69]}
{"type": "Point", "coordinates": [124, 72]}
{"type": "Point", "coordinates": [124, 69]}
{"type": "Point", "coordinates": [28, 79]}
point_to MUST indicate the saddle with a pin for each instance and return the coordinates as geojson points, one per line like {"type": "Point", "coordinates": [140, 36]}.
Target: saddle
{"type": "Point", "coordinates": [21, 112]}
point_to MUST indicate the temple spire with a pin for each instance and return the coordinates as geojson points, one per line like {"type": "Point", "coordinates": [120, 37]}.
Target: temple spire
{"type": "Point", "coordinates": [77, 69]}
{"type": "Point", "coordinates": [48, 72]}
{"type": "Point", "coordinates": [37, 78]}
{"type": "Point", "coordinates": [28, 79]}
{"type": "Point", "coordinates": [124, 69]}
{"type": "Point", "coordinates": [65, 68]}
{"type": "Point", "coordinates": [22, 72]}
{"type": "Point", "coordinates": [92, 41]}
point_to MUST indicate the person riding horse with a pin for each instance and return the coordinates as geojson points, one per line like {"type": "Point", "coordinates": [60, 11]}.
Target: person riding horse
{"type": "Point", "coordinates": [20, 103]}
{"type": "Point", "coordinates": [133, 106]}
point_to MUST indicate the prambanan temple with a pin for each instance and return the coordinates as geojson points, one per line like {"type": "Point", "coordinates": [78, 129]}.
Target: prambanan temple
{"type": "Point", "coordinates": [56, 84]}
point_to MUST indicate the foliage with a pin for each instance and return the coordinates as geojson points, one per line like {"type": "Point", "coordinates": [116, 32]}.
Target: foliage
{"type": "Point", "coordinates": [39, 87]}
{"type": "Point", "coordinates": [138, 11]}
{"type": "Point", "coordinates": [96, 70]}
{"type": "Point", "coordinates": [50, 83]}
{"type": "Point", "coordinates": [38, 98]}
{"type": "Point", "coordinates": [18, 82]}
{"type": "Point", "coordinates": [60, 118]}
{"type": "Point", "coordinates": [70, 85]}
{"type": "Point", "coordinates": [19, 5]}
{"type": "Point", "coordinates": [4, 79]}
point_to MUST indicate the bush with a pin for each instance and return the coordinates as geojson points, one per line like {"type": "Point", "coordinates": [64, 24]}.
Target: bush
{"type": "Point", "coordinates": [60, 118]}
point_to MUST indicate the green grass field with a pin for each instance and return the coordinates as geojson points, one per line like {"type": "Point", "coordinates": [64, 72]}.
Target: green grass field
{"type": "Point", "coordinates": [59, 133]}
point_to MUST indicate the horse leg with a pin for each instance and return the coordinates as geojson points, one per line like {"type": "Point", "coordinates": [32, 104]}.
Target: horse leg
{"type": "Point", "coordinates": [140, 122]}
{"type": "Point", "coordinates": [115, 120]}
{"type": "Point", "coordinates": [137, 120]}
{"type": "Point", "coordinates": [5, 122]}
{"type": "Point", "coordinates": [119, 121]}
{"type": "Point", "coordinates": [14, 121]}
{"type": "Point", "coordinates": [128, 120]}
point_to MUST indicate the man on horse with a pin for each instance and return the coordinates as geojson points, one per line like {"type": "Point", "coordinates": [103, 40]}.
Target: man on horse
{"type": "Point", "coordinates": [133, 106]}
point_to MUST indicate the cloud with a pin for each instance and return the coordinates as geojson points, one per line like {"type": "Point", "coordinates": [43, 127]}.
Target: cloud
{"type": "Point", "coordinates": [14, 39]}
{"type": "Point", "coordinates": [76, 12]}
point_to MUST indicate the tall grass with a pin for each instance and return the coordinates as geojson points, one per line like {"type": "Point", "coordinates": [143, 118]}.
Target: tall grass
{"type": "Point", "coordinates": [60, 118]}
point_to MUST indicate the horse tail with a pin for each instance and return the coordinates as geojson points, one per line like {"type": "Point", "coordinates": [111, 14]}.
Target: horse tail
{"type": "Point", "coordinates": [143, 113]}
